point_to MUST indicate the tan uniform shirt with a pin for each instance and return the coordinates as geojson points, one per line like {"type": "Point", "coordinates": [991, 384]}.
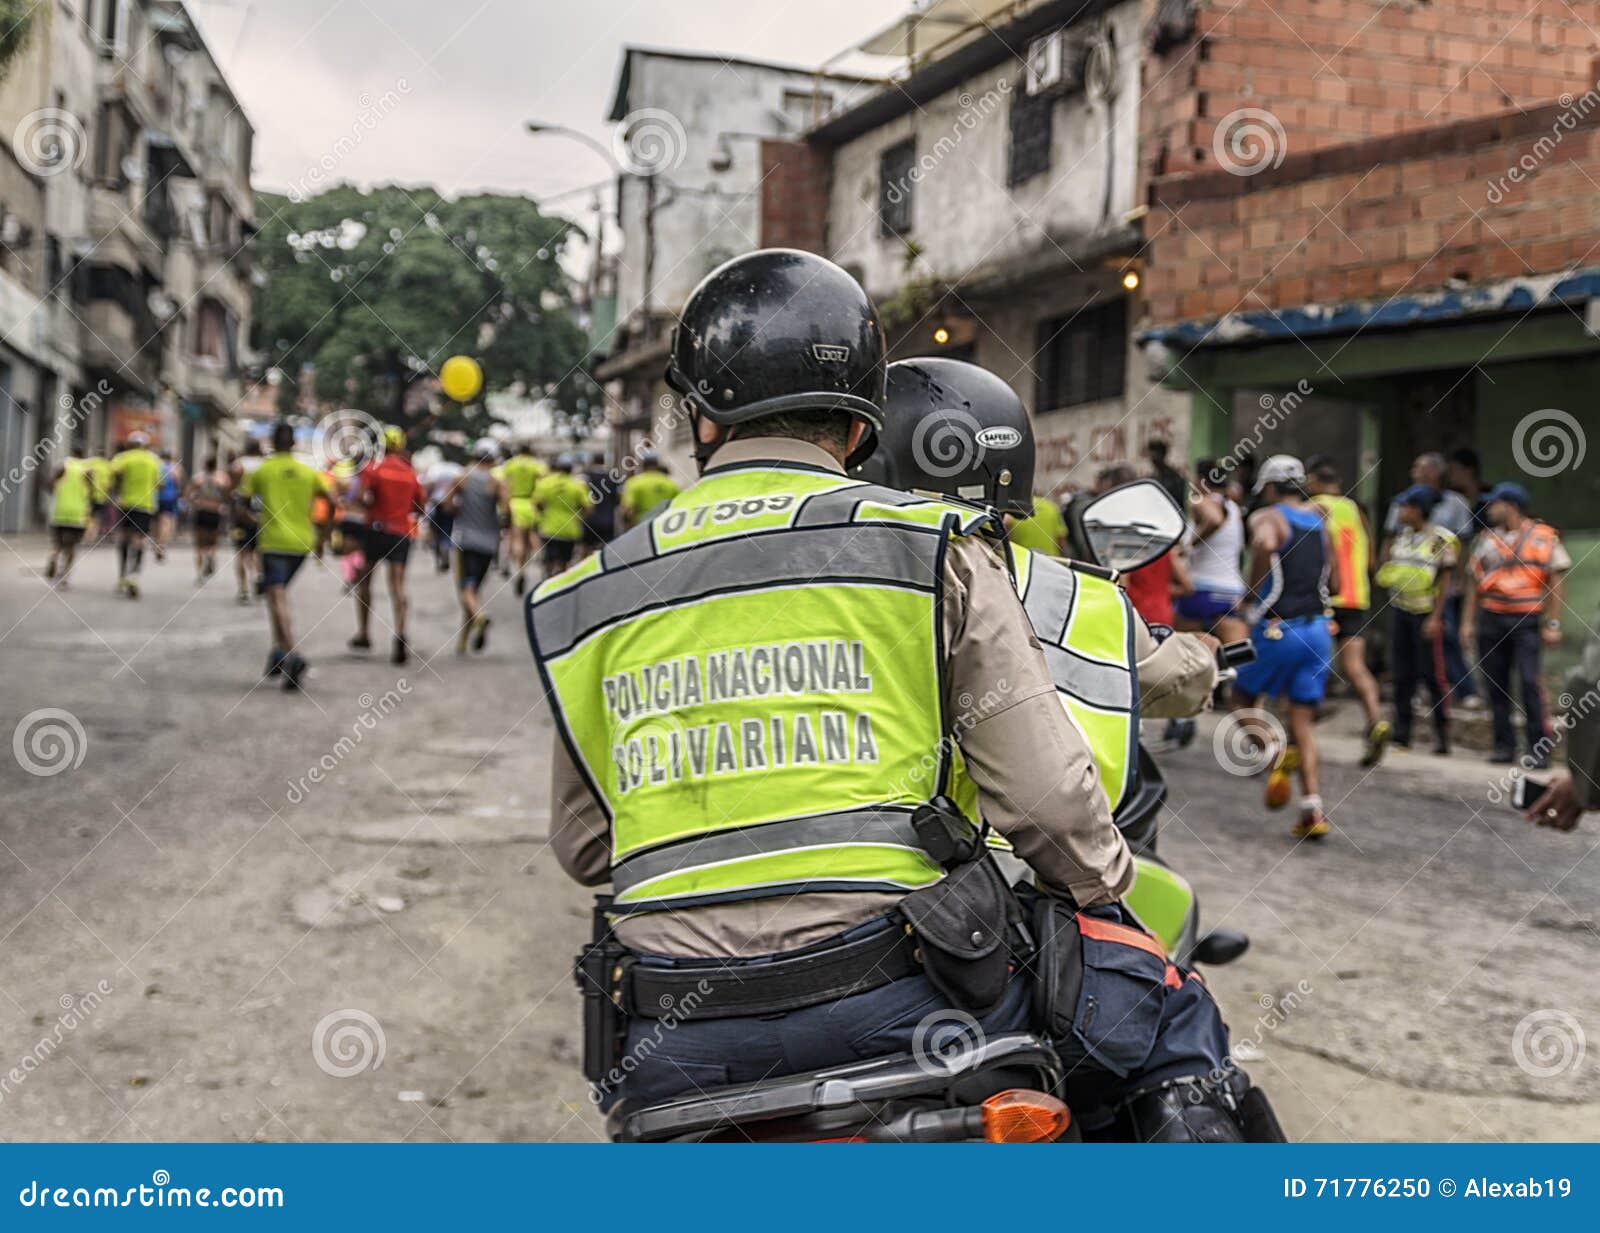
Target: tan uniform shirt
{"type": "Point", "coordinates": [1037, 781]}
{"type": "Point", "coordinates": [1176, 677]}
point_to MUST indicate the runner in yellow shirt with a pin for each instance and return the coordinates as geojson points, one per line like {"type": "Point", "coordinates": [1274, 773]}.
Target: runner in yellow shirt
{"type": "Point", "coordinates": [646, 490]}
{"type": "Point", "coordinates": [135, 482]}
{"type": "Point", "coordinates": [72, 497]}
{"type": "Point", "coordinates": [286, 490]}
{"type": "Point", "coordinates": [520, 474]}
{"type": "Point", "coordinates": [560, 500]}
{"type": "Point", "coordinates": [100, 494]}
{"type": "Point", "coordinates": [1045, 531]}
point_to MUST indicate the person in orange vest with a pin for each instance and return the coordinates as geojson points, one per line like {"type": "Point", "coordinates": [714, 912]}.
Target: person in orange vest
{"type": "Point", "coordinates": [1513, 610]}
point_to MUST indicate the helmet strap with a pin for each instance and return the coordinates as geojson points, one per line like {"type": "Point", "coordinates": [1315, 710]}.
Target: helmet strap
{"type": "Point", "coordinates": [702, 449]}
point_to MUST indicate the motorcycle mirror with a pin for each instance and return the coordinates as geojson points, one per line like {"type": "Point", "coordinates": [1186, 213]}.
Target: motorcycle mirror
{"type": "Point", "coordinates": [1129, 526]}
{"type": "Point", "coordinates": [1220, 946]}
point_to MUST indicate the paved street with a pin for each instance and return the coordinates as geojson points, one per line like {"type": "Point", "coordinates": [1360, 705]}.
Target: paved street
{"type": "Point", "coordinates": [246, 915]}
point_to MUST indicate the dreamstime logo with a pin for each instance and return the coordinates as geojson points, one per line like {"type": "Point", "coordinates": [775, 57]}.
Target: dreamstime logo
{"type": "Point", "coordinates": [1249, 141]}
{"type": "Point", "coordinates": [946, 442]}
{"type": "Point", "coordinates": [347, 436]}
{"type": "Point", "coordinates": [49, 741]}
{"type": "Point", "coordinates": [649, 142]}
{"type": "Point", "coordinates": [1547, 1043]}
{"type": "Point", "coordinates": [652, 752]}
{"type": "Point", "coordinates": [945, 1040]}
{"type": "Point", "coordinates": [50, 141]}
{"type": "Point", "coordinates": [347, 1042]}
{"type": "Point", "coordinates": [1238, 745]}
{"type": "Point", "coordinates": [373, 112]}
{"type": "Point", "coordinates": [1549, 441]}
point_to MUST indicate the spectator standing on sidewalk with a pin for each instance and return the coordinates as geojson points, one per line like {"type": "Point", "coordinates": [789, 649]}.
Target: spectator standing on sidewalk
{"type": "Point", "coordinates": [1417, 575]}
{"type": "Point", "coordinates": [1352, 605]}
{"type": "Point", "coordinates": [1464, 475]}
{"type": "Point", "coordinates": [1512, 611]}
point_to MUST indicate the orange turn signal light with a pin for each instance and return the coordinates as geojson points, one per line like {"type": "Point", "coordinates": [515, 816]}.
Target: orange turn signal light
{"type": "Point", "coordinates": [1020, 1115]}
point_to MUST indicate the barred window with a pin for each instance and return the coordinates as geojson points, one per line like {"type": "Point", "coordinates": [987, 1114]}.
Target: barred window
{"type": "Point", "coordinates": [894, 188]}
{"type": "Point", "coordinates": [1083, 356]}
{"type": "Point", "coordinates": [1032, 116]}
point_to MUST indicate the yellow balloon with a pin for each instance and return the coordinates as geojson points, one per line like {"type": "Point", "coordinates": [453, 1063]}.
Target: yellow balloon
{"type": "Point", "coordinates": [461, 378]}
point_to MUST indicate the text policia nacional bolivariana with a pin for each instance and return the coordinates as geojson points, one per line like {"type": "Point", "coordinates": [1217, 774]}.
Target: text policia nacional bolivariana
{"type": "Point", "coordinates": [669, 752]}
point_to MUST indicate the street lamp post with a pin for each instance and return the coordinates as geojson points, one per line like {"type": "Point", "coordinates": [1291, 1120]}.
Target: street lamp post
{"type": "Point", "coordinates": [537, 128]}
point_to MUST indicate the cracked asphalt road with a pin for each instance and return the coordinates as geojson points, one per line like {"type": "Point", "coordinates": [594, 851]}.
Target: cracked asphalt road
{"type": "Point", "coordinates": [235, 914]}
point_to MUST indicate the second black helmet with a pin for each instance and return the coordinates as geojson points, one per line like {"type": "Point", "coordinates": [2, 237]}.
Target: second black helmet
{"type": "Point", "coordinates": [779, 330]}
{"type": "Point", "coordinates": [951, 427]}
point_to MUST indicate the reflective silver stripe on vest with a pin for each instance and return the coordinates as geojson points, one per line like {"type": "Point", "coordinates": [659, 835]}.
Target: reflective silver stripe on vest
{"type": "Point", "coordinates": [861, 554]}
{"type": "Point", "coordinates": [837, 504]}
{"type": "Point", "coordinates": [628, 549]}
{"type": "Point", "coordinates": [1052, 591]}
{"type": "Point", "coordinates": [878, 826]}
{"type": "Point", "coordinates": [1089, 680]}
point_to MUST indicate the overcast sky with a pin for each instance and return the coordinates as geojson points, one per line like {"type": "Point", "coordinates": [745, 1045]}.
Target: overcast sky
{"type": "Point", "coordinates": [473, 72]}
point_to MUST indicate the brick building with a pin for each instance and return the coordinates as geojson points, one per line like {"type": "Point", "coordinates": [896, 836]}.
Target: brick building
{"type": "Point", "coordinates": [1384, 242]}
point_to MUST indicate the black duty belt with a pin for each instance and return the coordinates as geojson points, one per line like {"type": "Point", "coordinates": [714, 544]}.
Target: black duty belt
{"type": "Point", "coordinates": [731, 990]}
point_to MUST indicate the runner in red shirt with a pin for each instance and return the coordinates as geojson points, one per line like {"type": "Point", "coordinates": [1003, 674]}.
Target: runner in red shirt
{"type": "Point", "coordinates": [392, 497]}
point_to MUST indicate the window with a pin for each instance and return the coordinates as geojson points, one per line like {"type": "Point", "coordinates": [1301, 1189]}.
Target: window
{"type": "Point", "coordinates": [803, 108]}
{"type": "Point", "coordinates": [1031, 124]}
{"type": "Point", "coordinates": [895, 168]}
{"type": "Point", "coordinates": [1083, 357]}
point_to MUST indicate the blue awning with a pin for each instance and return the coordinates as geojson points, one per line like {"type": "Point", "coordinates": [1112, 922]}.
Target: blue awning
{"type": "Point", "coordinates": [1516, 295]}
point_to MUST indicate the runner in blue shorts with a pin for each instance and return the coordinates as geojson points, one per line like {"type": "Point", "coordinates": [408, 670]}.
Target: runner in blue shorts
{"type": "Point", "coordinates": [1290, 564]}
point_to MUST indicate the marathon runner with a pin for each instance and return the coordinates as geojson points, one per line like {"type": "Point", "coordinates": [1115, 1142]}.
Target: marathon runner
{"type": "Point", "coordinates": [561, 499]}
{"type": "Point", "coordinates": [136, 480]}
{"type": "Point", "coordinates": [393, 498]}
{"type": "Point", "coordinates": [72, 493]}
{"type": "Point", "coordinates": [285, 489]}
{"type": "Point", "coordinates": [246, 526]}
{"type": "Point", "coordinates": [208, 499]}
{"type": "Point", "coordinates": [521, 474]}
{"type": "Point", "coordinates": [474, 500]}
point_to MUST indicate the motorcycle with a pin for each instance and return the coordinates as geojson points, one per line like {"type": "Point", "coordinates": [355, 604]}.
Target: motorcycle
{"type": "Point", "coordinates": [1009, 1087]}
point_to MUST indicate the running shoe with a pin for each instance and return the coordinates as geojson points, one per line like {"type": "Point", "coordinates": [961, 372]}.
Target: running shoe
{"type": "Point", "coordinates": [360, 643]}
{"type": "Point", "coordinates": [1312, 825]}
{"type": "Point", "coordinates": [401, 652]}
{"type": "Point", "coordinates": [275, 660]}
{"type": "Point", "coordinates": [294, 669]}
{"type": "Point", "coordinates": [1280, 780]}
{"type": "Point", "coordinates": [480, 632]}
{"type": "Point", "coordinates": [520, 585]}
{"type": "Point", "coordinates": [1378, 737]}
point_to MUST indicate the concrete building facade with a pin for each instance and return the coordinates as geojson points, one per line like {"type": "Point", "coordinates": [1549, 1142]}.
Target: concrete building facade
{"type": "Point", "coordinates": [124, 285]}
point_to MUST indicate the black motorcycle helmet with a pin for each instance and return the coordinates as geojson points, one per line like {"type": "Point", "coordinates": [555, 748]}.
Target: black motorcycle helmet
{"type": "Point", "coordinates": [951, 427]}
{"type": "Point", "coordinates": [776, 331]}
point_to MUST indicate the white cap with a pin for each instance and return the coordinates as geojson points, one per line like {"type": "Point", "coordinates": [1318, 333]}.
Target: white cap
{"type": "Point", "coordinates": [137, 437]}
{"type": "Point", "coordinates": [485, 447]}
{"type": "Point", "coordinates": [1280, 469]}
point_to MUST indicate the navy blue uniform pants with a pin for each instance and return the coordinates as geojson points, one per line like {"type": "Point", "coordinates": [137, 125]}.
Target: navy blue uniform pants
{"type": "Point", "coordinates": [1509, 649]}
{"type": "Point", "coordinates": [1418, 660]}
{"type": "Point", "coordinates": [1134, 1027]}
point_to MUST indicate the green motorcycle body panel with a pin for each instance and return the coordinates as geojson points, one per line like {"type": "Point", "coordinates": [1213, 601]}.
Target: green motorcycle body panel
{"type": "Point", "coordinates": [1162, 900]}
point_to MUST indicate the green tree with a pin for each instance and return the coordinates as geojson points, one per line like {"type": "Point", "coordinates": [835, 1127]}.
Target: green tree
{"type": "Point", "coordinates": [378, 288]}
{"type": "Point", "coordinates": [16, 23]}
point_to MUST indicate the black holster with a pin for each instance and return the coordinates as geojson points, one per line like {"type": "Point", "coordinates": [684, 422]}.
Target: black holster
{"type": "Point", "coordinates": [969, 926]}
{"type": "Point", "coordinates": [599, 972]}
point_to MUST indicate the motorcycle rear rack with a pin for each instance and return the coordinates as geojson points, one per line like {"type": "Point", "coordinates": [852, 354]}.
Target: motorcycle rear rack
{"type": "Point", "coordinates": [1016, 1059]}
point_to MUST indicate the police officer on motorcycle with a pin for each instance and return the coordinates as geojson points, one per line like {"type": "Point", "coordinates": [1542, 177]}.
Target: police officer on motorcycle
{"type": "Point", "coordinates": [955, 429]}
{"type": "Point", "coordinates": [785, 706]}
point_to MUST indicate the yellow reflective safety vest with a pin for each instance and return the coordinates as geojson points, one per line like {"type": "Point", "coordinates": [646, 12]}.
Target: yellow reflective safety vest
{"type": "Point", "coordinates": [750, 684]}
{"type": "Point", "coordinates": [1085, 625]}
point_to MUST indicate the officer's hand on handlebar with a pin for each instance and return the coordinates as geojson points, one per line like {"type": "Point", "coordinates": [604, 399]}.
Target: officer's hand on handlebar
{"type": "Point", "coordinates": [1557, 808]}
